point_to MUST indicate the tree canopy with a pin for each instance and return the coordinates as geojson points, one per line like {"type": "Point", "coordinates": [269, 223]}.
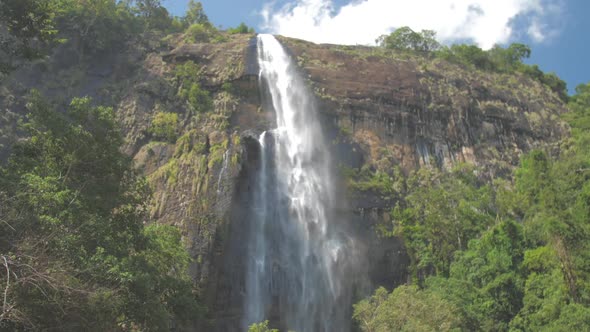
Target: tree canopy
{"type": "Point", "coordinates": [74, 250]}
{"type": "Point", "coordinates": [512, 255]}
{"type": "Point", "coordinates": [405, 38]}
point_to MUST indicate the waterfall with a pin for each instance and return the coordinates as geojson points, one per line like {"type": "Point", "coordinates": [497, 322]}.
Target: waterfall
{"type": "Point", "coordinates": [296, 253]}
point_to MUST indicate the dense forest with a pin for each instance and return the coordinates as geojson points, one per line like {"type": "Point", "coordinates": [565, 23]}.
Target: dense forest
{"type": "Point", "coordinates": [78, 250]}
{"type": "Point", "coordinates": [507, 254]}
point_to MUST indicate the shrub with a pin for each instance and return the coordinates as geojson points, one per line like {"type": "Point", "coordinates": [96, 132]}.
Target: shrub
{"type": "Point", "coordinates": [187, 76]}
{"type": "Point", "coordinates": [405, 38]}
{"type": "Point", "coordinates": [164, 126]}
{"type": "Point", "coordinates": [200, 32]}
{"type": "Point", "coordinates": [198, 99]}
{"type": "Point", "coordinates": [242, 28]}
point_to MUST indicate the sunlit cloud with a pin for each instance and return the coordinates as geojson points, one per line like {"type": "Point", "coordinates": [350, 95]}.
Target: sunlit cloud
{"type": "Point", "coordinates": [483, 22]}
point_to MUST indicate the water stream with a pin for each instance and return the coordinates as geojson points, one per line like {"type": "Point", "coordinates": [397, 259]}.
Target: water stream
{"type": "Point", "coordinates": [296, 254]}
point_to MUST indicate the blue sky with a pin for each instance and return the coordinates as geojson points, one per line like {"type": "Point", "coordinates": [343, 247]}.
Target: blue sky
{"type": "Point", "coordinates": [558, 31]}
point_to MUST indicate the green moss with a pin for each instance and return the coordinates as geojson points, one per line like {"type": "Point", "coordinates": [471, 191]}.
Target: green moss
{"type": "Point", "coordinates": [227, 87]}
{"type": "Point", "coordinates": [235, 159]}
{"type": "Point", "coordinates": [169, 172]}
{"type": "Point", "coordinates": [189, 145]}
{"type": "Point", "coordinates": [172, 172]}
{"type": "Point", "coordinates": [216, 153]}
{"type": "Point", "coordinates": [237, 140]}
{"type": "Point", "coordinates": [220, 121]}
{"type": "Point", "coordinates": [345, 130]}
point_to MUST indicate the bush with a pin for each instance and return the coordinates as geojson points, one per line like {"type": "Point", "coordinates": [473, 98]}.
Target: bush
{"type": "Point", "coordinates": [199, 99]}
{"type": "Point", "coordinates": [228, 87]}
{"type": "Point", "coordinates": [503, 60]}
{"type": "Point", "coordinates": [164, 126]}
{"type": "Point", "coordinates": [187, 72]}
{"type": "Point", "coordinates": [242, 28]}
{"type": "Point", "coordinates": [261, 327]}
{"type": "Point", "coordinates": [407, 308]}
{"type": "Point", "coordinates": [405, 38]}
{"type": "Point", "coordinates": [467, 55]}
{"type": "Point", "coordinates": [187, 76]}
{"type": "Point", "coordinates": [200, 33]}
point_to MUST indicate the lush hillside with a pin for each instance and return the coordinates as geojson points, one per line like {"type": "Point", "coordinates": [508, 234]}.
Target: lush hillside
{"type": "Point", "coordinates": [507, 255]}
{"type": "Point", "coordinates": [127, 161]}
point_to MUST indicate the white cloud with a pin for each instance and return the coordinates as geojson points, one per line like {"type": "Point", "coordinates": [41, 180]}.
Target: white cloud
{"type": "Point", "coordinates": [535, 31]}
{"type": "Point", "coordinates": [485, 22]}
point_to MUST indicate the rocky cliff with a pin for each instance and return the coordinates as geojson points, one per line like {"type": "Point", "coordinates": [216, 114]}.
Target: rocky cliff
{"type": "Point", "coordinates": [384, 113]}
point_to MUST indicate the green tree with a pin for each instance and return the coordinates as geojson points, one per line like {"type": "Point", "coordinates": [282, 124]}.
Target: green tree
{"type": "Point", "coordinates": [531, 274]}
{"type": "Point", "coordinates": [579, 111]}
{"type": "Point", "coordinates": [72, 235]}
{"type": "Point", "coordinates": [195, 14]}
{"type": "Point", "coordinates": [242, 28]}
{"type": "Point", "coordinates": [405, 309]}
{"type": "Point", "coordinates": [468, 55]}
{"type": "Point", "coordinates": [26, 28]}
{"type": "Point", "coordinates": [89, 25]}
{"type": "Point", "coordinates": [202, 33]}
{"type": "Point", "coordinates": [440, 214]}
{"type": "Point", "coordinates": [490, 267]}
{"type": "Point", "coordinates": [405, 38]}
{"type": "Point", "coordinates": [545, 293]}
{"type": "Point", "coordinates": [504, 60]}
{"type": "Point", "coordinates": [146, 8]}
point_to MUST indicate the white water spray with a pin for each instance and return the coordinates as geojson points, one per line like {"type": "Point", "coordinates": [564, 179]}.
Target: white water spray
{"type": "Point", "coordinates": [296, 258]}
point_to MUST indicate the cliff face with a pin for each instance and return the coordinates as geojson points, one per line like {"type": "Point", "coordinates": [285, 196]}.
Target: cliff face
{"type": "Point", "coordinates": [421, 111]}
{"type": "Point", "coordinates": [391, 112]}
{"type": "Point", "coordinates": [383, 112]}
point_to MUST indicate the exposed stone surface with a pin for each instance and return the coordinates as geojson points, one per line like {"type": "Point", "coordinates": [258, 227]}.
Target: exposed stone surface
{"type": "Point", "coordinates": [420, 109]}
{"type": "Point", "coordinates": [385, 109]}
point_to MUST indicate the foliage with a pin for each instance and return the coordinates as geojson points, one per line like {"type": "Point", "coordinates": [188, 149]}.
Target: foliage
{"type": "Point", "coordinates": [497, 59]}
{"type": "Point", "coordinates": [441, 212]}
{"type": "Point", "coordinates": [525, 267]}
{"type": "Point", "coordinates": [242, 28]}
{"type": "Point", "coordinates": [229, 88]}
{"type": "Point", "coordinates": [578, 116]}
{"type": "Point", "coordinates": [405, 309]}
{"type": "Point", "coordinates": [195, 14]}
{"type": "Point", "coordinates": [504, 60]}
{"type": "Point", "coordinates": [405, 38]}
{"type": "Point", "coordinates": [26, 27]}
{"type": "Point", "coordinates": [469, 55]}
{"type": "Point", "coordinates": [368, 180]}
{"type": "Point", "coordinates": [198, 33]}
{"type": "Point", "coordinates": [72, 234]}
{"type": "Point", "coordinates": [489, 270]}
{"type": "Point", "coordinates": [261, 327]}
{"type": "Point", "coordinates": [164, 126]}
{"type": "Point", "coordinates": [187, 76]}
{"type": "Point", "coordinates": [89, 25]}
{"type": "Point", "coordinates": [152, 14]}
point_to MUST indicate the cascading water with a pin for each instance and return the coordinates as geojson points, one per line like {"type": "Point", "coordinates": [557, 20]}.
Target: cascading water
{"type": "Point", "coordinates": [297, 256]}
